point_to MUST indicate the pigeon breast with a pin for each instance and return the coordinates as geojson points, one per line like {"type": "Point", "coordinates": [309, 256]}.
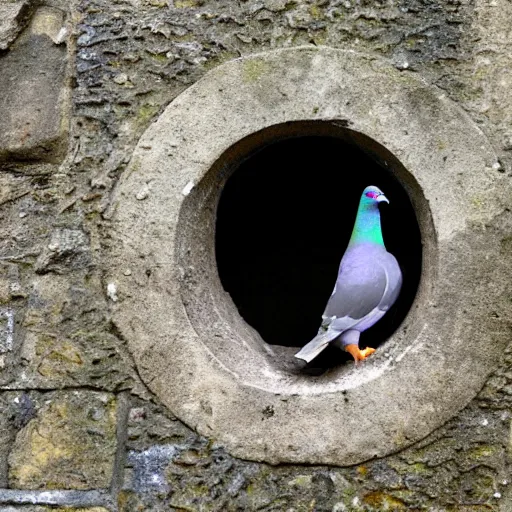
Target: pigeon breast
{"type": "Point", "coordinates": [369, 279]}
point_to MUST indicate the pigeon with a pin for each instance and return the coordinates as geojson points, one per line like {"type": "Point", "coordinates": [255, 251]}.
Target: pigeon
{"type": "Point", "coordinates": [368, 284]}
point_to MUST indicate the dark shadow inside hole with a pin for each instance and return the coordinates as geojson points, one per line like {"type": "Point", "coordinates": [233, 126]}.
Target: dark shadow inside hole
{"type": "Point", "coordinates": [283, 223]}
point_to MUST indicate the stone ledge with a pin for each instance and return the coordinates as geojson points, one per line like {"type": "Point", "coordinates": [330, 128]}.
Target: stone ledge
{"type": "Point", "coordinates": [65, 498]}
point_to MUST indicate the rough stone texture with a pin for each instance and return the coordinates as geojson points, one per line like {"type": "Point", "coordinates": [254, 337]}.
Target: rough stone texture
{"type": "Point", "coordinates": [13, 14]}
{"type": "Point", "coordinates": [69, 500]}
{"type": "Point", "coordinates": [64, 244]}
{"type": "Point", "coordinates": [33, 105]}
{"type": "Point", "coordinates": [6, 329]}
{"type": "Point", "coordinates": [60, 349]}
{"type": "Point", "coordinates": [456, 465]}
{"type": "Point", "coordinates": [70, 444]}
{"type": "Point", "coordinates": [216, 374]}
{"type": "Point", "coordinates": [8, 432]}
{"type": "Point", "coordinates": [133, 57]}
{"type": "Point", "coordinates": [52, 509]}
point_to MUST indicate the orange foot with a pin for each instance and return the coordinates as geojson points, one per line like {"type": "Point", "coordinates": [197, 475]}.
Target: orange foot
{"type": "Point", "coordinates": [357, 354]}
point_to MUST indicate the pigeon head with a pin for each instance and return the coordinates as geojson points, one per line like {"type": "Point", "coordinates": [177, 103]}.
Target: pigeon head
{"type": "Point", "coordinates": [367, 227]}
{"type": "Point", "coordinates": [373, 195]}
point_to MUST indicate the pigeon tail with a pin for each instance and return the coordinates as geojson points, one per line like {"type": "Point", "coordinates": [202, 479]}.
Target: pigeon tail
{"type": "Point", "coordinates": [316, 345]}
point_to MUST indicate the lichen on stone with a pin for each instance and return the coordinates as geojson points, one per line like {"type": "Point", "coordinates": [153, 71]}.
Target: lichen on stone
{"type": "Point", "coordinates": [70, 444]}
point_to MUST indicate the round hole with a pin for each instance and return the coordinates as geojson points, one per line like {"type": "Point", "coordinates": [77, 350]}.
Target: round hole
{"type": "Point", "coordinates": [266, 228]}
{"type": "Point", "coordinates": [284, 219]}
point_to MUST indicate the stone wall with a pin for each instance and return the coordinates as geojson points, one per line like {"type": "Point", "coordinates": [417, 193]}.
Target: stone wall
{"type": "Point", "coordinates": [79, 84]}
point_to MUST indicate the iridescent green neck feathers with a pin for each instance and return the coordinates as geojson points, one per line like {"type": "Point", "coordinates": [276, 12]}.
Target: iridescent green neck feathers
{"type": "Point", "coordinates": [367, 227]}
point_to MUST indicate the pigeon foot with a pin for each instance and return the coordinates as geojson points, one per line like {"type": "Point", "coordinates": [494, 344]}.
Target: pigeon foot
{"type": "Point", "coordinates": [359, 355]}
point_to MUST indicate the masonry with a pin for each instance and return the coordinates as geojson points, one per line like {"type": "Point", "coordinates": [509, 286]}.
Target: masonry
{"type": "Point", "coordinates": [82, 427]}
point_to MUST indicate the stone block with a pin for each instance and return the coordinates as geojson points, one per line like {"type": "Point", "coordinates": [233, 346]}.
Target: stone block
{"type": "Point", "coordinates": [34, 96]}
{"type": "Point", "coordinates": [12, 17]}
{"type": "Point", "coordinates": [70, 444]}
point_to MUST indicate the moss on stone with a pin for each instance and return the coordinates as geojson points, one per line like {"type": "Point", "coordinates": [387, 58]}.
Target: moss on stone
{"type": "Point", "coordinates": [253, 69]}
{"type": "Point", "coordinates": [316, 12]}
{"type": "Point", "coordinates": [301, 481]}
{"type": "Point", "coordinates": [382, 501]}
{"type": "Point", "coordinates": [146, 112]}
{"type": "Point", "coordinates": [185, 4]}
{"type": "Point", "coordinates": [69, 445]}
{"type": "Point", "coordinates": [481, 452]}
{"type": "Point", "coordinates": [56, 357]}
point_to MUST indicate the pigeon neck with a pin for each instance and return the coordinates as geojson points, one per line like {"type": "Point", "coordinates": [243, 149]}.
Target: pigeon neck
{"type": "Point", "coordinates": [367, 226]}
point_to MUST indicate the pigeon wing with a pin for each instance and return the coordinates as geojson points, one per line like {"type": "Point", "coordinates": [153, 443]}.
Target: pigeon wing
{"type": "Point", "coordinates": [393, 280]}
{"type": "Point", "coordinates": [359, 289]}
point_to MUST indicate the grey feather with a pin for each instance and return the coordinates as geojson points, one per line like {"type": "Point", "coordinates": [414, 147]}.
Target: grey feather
{"type": "Point", "coordinates": [316, 345]}
{"type": "Point", "coordinates": [361, 283]}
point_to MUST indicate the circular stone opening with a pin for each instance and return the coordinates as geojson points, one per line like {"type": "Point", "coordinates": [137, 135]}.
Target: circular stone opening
{"type": "Point", "coordinates": [190, 344]}
{"type": "Point", "coordinates": [262, 237]}
{"type": "Point", "coordinates": [284, 219]}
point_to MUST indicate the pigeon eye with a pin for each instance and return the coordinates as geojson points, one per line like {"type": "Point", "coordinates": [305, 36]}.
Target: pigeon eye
{"type": "Point", "coordinates": [373, 195]}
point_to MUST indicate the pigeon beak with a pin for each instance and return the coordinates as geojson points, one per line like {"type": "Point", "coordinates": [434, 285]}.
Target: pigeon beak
{"type": "Point", "coordinates": [382, 198]}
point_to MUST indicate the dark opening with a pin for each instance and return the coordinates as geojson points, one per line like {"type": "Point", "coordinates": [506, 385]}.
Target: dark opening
{"type": "Point", "coordinates": [283, 223]}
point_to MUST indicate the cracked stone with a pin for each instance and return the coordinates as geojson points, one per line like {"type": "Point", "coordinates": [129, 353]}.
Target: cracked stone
{"type": "Point", "coordinates": [70, 444]}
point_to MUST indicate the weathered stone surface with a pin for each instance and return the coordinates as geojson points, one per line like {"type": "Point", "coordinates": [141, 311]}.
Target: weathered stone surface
{"type": "Point", "coordinates": [506, 502]}
{"type": "Point", "coordinates": [13, 15]}
{"type": "Point", "coordinates": [6, 329]}
{"type": "Point", "coordinates": [10, 290]}
{"type": "Point", "coordinates": [13, 187]}
{"type": "Point", "coordinates": [150, 425]}
{"type": "Point", "coordinates": [454, 465]}
{"type": "Point", "coordinates": [67, 500]}
{"type": "Point", "coordinates": [33, 104]}
{"type": "Point", "coordinates": [190, 344]}
{"type": "Point", "coordinates": [71, 444]}
{"type": "Point", "coordinates": [133, 58]}
{"type": "Point", "coordinates": [51, 509]}
{"type": "Point", "coordinates": [64, 245]}
{"type": "Point", "coordinates": [16, 410]}
{"type": "Point", "coordinates": [49, 21]}
{"type": "Point", "coordinates": [10, 287]}
{"type": "Point", "coordinates": [6, 438]}
{"type": "Point", "coordinates": [484, 87]}
{"type": "Point", "coordinates": [54, 349]}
